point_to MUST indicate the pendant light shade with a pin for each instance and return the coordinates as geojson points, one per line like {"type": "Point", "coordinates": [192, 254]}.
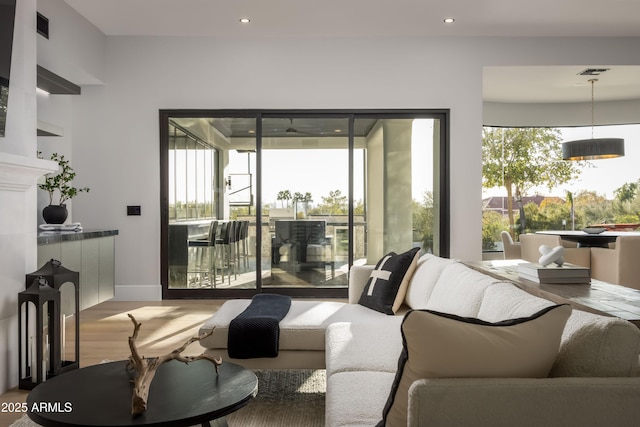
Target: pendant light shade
{"type": "Point", "coordinates": [594, 148]}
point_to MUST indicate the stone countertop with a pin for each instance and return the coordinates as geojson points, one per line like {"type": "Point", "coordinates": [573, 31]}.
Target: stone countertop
{"type": "Point", "coordinates": [48, 237]}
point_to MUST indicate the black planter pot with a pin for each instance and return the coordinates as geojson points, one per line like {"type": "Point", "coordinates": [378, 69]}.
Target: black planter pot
{"type": "Point", "coordinates": [55, 214]}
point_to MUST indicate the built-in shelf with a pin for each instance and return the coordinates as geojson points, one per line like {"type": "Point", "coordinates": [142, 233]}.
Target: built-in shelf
{"type": "Point", "coordinates": [48, 129]}
{"type": "Point", "coordinates": [54, 84]}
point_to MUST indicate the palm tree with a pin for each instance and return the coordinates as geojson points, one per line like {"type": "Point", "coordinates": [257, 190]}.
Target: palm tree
{"type": "Point", "coordinates": [284, 195]}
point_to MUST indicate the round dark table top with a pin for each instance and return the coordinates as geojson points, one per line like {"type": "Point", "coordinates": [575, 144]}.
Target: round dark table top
{"type": "Point", "coordinates": [585, 239]}
{"type": "Point", "coordinates": [180, 395]}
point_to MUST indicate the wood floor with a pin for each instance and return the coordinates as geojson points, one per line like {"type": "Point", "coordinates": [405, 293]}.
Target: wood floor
{"type": "Point", "coordinates": [104, 330]}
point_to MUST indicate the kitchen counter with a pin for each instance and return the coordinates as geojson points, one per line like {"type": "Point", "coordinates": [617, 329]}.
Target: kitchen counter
{"type": "Point", "coordinates": [47, 237]}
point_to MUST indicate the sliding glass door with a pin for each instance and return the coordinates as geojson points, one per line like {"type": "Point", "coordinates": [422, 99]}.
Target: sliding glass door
{"type": "Point", "coordinates": [288, 201]}
{"type": "Point", "coordinates": [305, 193]}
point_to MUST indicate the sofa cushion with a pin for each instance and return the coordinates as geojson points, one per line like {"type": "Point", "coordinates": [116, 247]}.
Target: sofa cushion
{"type": "Point", "coordinates": [387, 284]}
{"type": "Point", "coordinates": [504, 300]}
{"type": "Point", "coordinates": [361, 347]}
{"type": "Point", "coordinates": [597, 346]}
{"type": "Point", "coordinates": [356, 398]}
{"type": "Point", "coordinates": [303, 327]}
{"type": "Point", "coordinates": [459, 290]}
{"type": "Point", "coordinates": [440, 345]}
{"type": "Point", "coordinates": [424, 280]}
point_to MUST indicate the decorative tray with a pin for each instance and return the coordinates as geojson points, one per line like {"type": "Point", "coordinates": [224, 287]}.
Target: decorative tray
{"type": "Point", "coordinates": [594, 230]}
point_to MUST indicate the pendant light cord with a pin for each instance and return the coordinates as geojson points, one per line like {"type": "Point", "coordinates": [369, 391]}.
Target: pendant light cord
{"type": "Point", "coordinates": [592, 105]}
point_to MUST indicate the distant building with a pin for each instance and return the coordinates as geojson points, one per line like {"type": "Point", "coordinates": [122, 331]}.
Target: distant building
{"type": "Point", "coordinates": [499, 204]}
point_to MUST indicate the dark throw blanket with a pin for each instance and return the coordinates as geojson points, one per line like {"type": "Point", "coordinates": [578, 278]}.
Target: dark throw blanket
{"type": "Point", "coordinates": [256, 331]}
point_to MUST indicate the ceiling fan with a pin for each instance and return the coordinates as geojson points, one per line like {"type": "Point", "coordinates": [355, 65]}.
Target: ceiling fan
{"type": "Point", "coordinates": [290, 130]}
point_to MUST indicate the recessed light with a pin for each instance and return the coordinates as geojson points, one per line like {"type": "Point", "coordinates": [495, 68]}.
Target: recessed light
{"type": "Point", "coordinates": [449, 20]}
{"type": "Point", "coordinates": [245, 20]}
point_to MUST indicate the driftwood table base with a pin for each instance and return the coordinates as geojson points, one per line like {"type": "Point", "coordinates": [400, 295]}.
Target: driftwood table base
{"type": "Point", "coordinates": [145, 368]}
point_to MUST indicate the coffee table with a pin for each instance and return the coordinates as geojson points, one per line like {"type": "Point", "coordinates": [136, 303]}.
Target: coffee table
{"type": "Point", "coordinates": [180, 395]}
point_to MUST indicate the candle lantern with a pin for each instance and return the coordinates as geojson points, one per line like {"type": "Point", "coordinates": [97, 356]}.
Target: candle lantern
{"type": "Point", "coordinates": [38, 329]}
{"type": "Point", "coordinates": [59, 333]}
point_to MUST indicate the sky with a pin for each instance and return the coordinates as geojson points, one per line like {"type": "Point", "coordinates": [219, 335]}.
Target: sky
{"type": "Point", "coordinates": [319, 171]}
{"type": "Point", "coordinates": [602, 176]}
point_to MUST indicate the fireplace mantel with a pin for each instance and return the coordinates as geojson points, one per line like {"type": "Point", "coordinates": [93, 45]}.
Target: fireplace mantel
{"type": "Point", "coordinates": [19, 173]}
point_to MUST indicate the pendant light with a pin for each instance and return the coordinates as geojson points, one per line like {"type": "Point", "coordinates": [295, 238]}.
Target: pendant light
{"type": "Point", "coordinates": [594, 148]}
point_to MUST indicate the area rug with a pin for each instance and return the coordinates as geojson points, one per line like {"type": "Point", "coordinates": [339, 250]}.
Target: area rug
{"type": "Point", "coordinates": [285, 398]}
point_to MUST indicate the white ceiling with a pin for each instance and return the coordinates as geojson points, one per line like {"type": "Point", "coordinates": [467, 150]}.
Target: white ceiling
{"type": "Point", "coordinates": [560, 84]}
{"type": "Point", "coordinates": [363, 18]}
{"type": "Point", "coordinates": [401, 18]}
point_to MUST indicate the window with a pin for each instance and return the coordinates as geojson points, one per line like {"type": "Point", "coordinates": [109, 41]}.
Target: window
{"type": "Point", "coordinates": [314, 192]}
{"type": "Point", "coordinates": [192, 170]}
{"type": "Point", "coordinates": [596, 192]}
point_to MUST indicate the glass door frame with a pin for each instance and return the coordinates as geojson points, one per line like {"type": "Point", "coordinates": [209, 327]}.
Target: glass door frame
{"type": "Point", "coordinates": [443, 115]}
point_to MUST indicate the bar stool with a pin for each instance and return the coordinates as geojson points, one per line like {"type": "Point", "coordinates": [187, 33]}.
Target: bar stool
{"type": "Point", "coordinates": [201, 246]}
{"type": "Point", "coordinates": [245, 244]}
{"type": "Point", "coordinates": [242, 230]}
{"type": "Point", "coordinates": [227, 243]}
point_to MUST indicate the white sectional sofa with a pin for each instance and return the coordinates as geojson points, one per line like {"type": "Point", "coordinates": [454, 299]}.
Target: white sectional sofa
{"type": "Point", "coordinates": [592, 381]}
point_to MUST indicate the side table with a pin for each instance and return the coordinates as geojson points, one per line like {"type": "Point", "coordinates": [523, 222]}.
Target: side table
{"type": "Point", "coordinates": [180, 395]}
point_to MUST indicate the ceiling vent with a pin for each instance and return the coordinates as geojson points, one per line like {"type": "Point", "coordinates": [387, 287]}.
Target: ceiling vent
{"type": "Point", "coordinates": [593, 71]}
{"type": "Point", "coordinates": [42, 25]}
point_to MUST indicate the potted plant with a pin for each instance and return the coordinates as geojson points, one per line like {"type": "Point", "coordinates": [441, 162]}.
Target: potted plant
{"type": "Point", "coordinates": [60, 182]}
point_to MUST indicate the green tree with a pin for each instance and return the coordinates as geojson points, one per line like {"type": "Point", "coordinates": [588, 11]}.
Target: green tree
{"type": "Point", "coordinates": [307, 199]}
{"type": "Point", "coordinates": [627, 192]}
{"type": "Point", "coordinates": [423, 221]}
{"type": "Point", "coordinates": [549, 216]}
{"type": "Point", "coordinates": [284, 195]}
{"type": "Point", "coordinates": [591, 208]}
{"type": "Point", "coordinates": [358, 207]}
{"type": "Point", "coordinates": [492, 224]}
{"type": "Point", "coordinates": [626, 206]}
{"type": "Point", "coordinates": [521, 158]}
{"type": "Point", "coordinates": [334, 204]}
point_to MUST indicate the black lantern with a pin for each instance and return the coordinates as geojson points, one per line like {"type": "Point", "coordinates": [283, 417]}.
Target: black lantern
{"type": "Point", "coordinates": [39, 332]}
{"type": "Point", "coordinates": [49, 324]}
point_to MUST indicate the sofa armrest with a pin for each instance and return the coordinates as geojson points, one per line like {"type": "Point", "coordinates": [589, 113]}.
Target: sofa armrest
{"type": "Point", "coordinates": [358, 277]}
{"type": "Point", "coordinates": [510, 402]}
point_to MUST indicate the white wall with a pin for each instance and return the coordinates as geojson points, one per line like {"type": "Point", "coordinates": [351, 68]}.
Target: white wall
{"type": "Point", "coordinates": [75, 50]}
{"type": "Point", "coordinates": [75, 47]}
{"type": "Point", "coordinates": [118, 124]}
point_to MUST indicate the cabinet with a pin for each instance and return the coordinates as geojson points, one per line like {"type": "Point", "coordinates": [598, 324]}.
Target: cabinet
{"type": "Point", "coordinates": [93, 256]}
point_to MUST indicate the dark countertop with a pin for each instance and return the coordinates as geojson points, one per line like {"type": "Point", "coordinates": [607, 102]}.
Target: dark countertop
{"type": "Point", "coordinates": [48, 237]}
